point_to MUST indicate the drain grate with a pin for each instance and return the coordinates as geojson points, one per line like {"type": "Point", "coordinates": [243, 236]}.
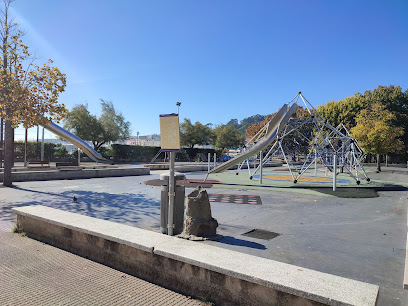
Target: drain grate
{"type": "Point", "coordinates": [235, 198]}
{"type": "Point", "coordinates": [261, 234]}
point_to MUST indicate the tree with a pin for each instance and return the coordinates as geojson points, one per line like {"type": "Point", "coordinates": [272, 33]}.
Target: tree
{"type": "Point", "coordinates": [228, 137]}
{"type": "Point", "coordinates": [344, 111]}
{"type": "Point", "coordinates": [245, 123]}
{"type": "Point", "coordinates": [256, 127]}
{"type": "Point", "coordinates": [375, 132]}
{"type": "Point", "coordinates": [197, 134]}
{"type": "Point", "coordinates": [396, 101]}
{"type": "Point", "coordinates": [29, 93]}
{"type": "Point", "coordinates": [61, 151]}
{"type": "Point", "coordinates": [110, 126]}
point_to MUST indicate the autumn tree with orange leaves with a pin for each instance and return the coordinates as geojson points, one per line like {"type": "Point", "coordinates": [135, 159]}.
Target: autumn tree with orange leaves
{"type": "Point", "coordinates": [29, 92]}
{"type": "Point", "coordinates": [255, 128]}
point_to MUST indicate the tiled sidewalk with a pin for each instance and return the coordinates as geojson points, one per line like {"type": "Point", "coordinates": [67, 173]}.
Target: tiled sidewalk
{"type": "Point", "coordinates": [33, 273]}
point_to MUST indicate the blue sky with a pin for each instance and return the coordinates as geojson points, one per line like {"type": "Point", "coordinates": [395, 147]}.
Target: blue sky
{"type": "Point", "coordinates": [221, 59]}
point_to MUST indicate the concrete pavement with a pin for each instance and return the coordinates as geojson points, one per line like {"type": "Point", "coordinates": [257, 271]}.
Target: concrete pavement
{"type": "Point", "coordinates": [34, 273]}
{"type": "Point", "coordinates": [362, 239]}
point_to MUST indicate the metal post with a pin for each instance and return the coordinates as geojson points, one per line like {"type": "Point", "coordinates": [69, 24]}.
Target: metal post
{"type": "Point", "coordinates": [25, 147]}
{"type": "Point", "coordinates": [37, 150]}
{"type": "Point", "coordinates": [209, 161]}
{"type": "Point", "coordinates": [334, 172]}
{"type": "Point", "coordinates": [170, 222]}
{"type": "Point", "coordinates": [315, 163]}
{"type": "Point", "coordinates": [386, 160]}
{"type": "Point", "coordinates": [261, 166]}
{"type": "Point", "coordinates": [215, 160]}
{"type": "Point", "coordinates": [1, 143]}
{"type": "Point", "coordinates": [13, 153]}
{"type": "Point", "coordinates": [79, 156]}
{"type": "Point", "coordinates": [42, 146]}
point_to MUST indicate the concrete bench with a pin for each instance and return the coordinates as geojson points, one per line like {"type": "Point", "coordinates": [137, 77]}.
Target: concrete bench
{"type": "Point", "coordinates": [192, 268]}
{"type": "Point", "coordinates": [39, 162]}
{"type": "Point", "coordinates": [406, 266]}
{"type": "Point", "coordinates": [66, 164]}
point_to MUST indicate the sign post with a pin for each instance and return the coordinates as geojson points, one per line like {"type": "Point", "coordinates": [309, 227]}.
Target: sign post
{"type": "Point", "coordinates": [170, 142]}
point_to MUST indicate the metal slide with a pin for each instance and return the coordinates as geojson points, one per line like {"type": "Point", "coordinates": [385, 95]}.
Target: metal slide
{"type": "Point", "coordinates": [76, 141]}
{"type": "Point", "coordinates": [274, 127]}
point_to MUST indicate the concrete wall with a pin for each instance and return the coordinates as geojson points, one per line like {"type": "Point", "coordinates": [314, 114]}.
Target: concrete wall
{"type": "Point", "coordinates": [219, 275]}
{"type": "Point", "coordinates": [75, 173]}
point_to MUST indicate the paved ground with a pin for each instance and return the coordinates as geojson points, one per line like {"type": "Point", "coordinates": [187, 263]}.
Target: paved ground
{"type": "Point", "coordinates": [33, 273]}
{"type": "Point", "coordinates": [363, 238]}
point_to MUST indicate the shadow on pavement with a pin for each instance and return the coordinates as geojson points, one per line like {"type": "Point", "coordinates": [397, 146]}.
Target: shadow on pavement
{"type": "Point", "coordinates": [124, 208]}
{"type": "Point", "coordinates": [240, 242]}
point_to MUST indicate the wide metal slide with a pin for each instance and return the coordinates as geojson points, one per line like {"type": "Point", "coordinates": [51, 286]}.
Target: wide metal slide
{"type": "Point", "coordinates": [274, 127]}
{"type": "Point", "coordinates": [76, 141]}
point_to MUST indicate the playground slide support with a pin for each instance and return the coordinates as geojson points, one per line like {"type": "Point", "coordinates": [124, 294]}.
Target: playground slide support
{"type": "Point", "coordinates": [334, 172]}
{"type": "Point", "coordinates": [261, 167]}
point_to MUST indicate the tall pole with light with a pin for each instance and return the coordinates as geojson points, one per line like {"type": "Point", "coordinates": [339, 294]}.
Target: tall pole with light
{"type": "Point", "coordinates": [178, 107]}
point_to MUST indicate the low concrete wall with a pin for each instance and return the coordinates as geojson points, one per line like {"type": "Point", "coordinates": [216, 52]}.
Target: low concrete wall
{"type": "Point", "coordinates": [180, 167]}
{"type": "Point", "coordinates": [192, 167]}
{"type": "Point", "coordinates": [75, 173]}
{"type": "Point", "coordinates": [192, 268]}
{"type": "Point", "coordinates": [405, 284]}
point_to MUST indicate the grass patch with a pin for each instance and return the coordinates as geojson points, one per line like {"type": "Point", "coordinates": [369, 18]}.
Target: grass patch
{"type": "Point", "coordinates": [18, 230]}
{"type": "Point", "coordinates": [206, 302]}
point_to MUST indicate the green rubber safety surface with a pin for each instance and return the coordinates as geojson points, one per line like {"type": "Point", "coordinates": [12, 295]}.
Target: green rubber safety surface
{"type": "Point", "coordinates": [350, 189]}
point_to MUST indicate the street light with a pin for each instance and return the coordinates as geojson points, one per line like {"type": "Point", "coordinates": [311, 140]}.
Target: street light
{"type": "Point", "coordinates": [178, 107]}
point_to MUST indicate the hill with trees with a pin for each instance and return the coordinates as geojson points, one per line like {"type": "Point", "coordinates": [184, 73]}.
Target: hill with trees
{"type": "Point", "coordinates": [245, 123]}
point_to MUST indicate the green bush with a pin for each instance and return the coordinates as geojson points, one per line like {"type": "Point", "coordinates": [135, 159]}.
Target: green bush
{"type": "Point", "coordinates": [49, 150]}
{"type": "Point", "coordinates": [61, 151]}
{"type": "Point", "coordinates": [121, 152]}
{"type": "Point", "coordinates": [133, 153]}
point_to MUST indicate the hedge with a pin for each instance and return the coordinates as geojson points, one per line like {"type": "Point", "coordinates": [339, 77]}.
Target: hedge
{"type": "Point", "coordinates": [133, 153]}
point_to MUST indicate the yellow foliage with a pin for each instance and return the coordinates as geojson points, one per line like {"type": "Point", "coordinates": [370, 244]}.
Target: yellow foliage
{"type": "Point", "coordinates": [375, 132]}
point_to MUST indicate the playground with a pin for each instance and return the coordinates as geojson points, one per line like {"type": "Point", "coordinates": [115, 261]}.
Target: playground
{"type": "Point", "coordinates": [316, 207]}
{"type": "Point", "coordinates": [358, 238]}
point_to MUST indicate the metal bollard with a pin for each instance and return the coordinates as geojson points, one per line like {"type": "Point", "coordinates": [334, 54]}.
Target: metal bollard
{"type": "Point", "coordinates": [178, 212]}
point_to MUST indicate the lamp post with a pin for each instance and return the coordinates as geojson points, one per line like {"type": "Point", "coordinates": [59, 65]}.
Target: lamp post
{"type": "Point", "coordinates": [178, 107]}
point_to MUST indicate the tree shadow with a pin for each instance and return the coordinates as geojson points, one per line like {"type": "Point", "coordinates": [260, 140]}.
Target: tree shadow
{"type": "Point", "coordinates": [127, 208]}
{"type": "Point", "coordinates": [240, 242]}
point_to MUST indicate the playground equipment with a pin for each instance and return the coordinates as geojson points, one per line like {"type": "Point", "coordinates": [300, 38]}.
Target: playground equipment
{"type": "Point", "coordinates": [75, 140]}
{"type": "Point", "coordinates": [301, 142]}
{"type": "Point", "coordinates": [273, 127]}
